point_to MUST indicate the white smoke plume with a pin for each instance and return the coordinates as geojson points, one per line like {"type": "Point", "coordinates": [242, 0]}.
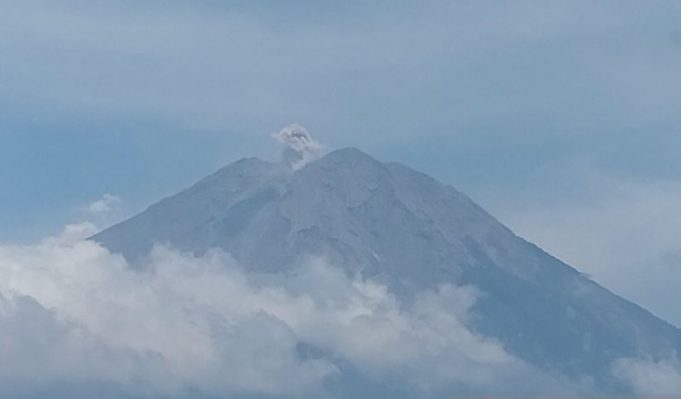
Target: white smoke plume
{"type": "Point", "coordinates": [73, 314]}
{"type": "Point", "coordinates": [302, 148]}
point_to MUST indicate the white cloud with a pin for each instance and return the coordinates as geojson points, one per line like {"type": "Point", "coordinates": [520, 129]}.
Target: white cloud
{"type": "Point", "coordinates": [72, 313]}
{"type": "Point", "coordinates": [661, 379]}
{"type": "Point", "coordinates": [104, 205]}
{"type": "Point", "coordinates": [184, 322]}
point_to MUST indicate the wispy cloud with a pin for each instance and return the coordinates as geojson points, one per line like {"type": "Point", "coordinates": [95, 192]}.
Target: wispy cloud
{"type": "Point", "coordinates": [104, 205]}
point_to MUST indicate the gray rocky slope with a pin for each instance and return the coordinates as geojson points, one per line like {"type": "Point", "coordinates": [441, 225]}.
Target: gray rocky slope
{"type": "Point", "coordinates": [391, 223]}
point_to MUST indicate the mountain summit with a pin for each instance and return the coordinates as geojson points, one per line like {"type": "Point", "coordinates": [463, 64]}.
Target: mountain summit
{"type": "Point", "coordinates": [388, 222]}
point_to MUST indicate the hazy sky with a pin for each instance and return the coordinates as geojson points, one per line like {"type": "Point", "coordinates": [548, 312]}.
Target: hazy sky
{"type": "Point", "coordinates": [563, 118]}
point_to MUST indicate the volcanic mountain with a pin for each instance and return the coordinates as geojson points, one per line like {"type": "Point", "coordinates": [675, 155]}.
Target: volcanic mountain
{"type": "Point", "coordinates": [387, 222]}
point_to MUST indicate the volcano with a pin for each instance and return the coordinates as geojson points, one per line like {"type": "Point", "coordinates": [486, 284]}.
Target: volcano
{"type": "Point", "coordinates": [390, 223]}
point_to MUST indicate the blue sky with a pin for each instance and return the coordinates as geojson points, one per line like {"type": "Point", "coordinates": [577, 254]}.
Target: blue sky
{"type": "Point", "coordinates": [563, 118]}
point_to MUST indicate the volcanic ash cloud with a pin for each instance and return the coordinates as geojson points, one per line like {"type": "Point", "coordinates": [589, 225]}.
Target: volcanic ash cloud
{"type": "Point", "coordinates": [302, 148]}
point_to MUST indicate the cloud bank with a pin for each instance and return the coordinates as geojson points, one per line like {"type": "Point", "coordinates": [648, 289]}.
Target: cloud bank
{"type": "Point", "coordinates": [73, 316]}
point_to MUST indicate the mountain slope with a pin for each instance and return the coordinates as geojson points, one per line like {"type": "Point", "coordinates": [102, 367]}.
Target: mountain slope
{"type": "Point", "coordinates": [396, 225]}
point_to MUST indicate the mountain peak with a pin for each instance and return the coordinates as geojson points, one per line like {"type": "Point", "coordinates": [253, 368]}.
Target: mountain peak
{"type": "Point", "coordinates": [348, 153]}
{"type": "Point", "coordinates": [348, 157]}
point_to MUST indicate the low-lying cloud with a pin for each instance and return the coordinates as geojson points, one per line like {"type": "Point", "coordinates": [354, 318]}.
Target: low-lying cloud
{"type": "Point", "coordinates": [76, 319]}
{"type": "Point", "coordinates": [74, 315]}
{"type": "Point", "coordinates": [659, 379]}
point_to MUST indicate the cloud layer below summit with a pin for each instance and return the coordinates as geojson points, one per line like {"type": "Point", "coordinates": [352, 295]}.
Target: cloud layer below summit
{"type": "Point", "coordinates": [72, 313]}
